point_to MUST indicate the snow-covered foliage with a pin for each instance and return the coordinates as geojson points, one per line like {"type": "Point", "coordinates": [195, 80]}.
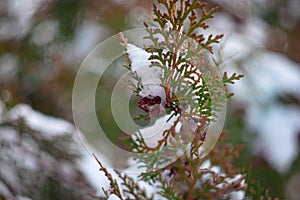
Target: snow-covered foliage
{"type": "Point", "coordinates": [168, 77]}
{"type": "Point", "coordinates": [40, 152]}
{"type": "Point", "coordinates": [150, 76]}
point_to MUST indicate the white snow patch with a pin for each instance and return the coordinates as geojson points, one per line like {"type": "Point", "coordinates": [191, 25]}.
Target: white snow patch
{"type": "Point", "coordinates": [278, 128]}
{"type": "Point", "coordinates": [154, 133]}
{"type": "Point", "coordinates": [23, 10]}
{"type": "Point", "coordinates": [150, 75]}
{"type": "Point", "coordinates": [272, 74]}
{"type": "Point", "coordinates": [40, 122]}
{"type": "Point", "coordinates": [113, 197]}
{"type": "Point", "coordinates": [238, 195]}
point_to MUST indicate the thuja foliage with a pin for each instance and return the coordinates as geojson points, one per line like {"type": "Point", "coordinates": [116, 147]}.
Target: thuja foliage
{"type": "Point", "coordinates": [195, 90]}
{"type": "Point", "coordinates": [182, 54]}
{"type": "Point", "coordinates": [194, 93]}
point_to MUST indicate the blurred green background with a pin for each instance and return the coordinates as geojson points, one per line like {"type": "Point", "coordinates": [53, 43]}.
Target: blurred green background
{"type": "Point", "coordinates": [43, 42]}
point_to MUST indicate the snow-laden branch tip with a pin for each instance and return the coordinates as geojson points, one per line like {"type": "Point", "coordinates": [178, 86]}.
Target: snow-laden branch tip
{"type": "Point", "coordinates": [150, 76]}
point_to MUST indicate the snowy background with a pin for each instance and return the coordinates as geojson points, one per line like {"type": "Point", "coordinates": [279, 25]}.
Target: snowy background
{"type": "Point", "coordinates": [42, 44]}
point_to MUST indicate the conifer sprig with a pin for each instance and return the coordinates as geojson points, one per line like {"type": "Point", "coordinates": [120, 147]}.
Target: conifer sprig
{"type": "Point", "coordinates": [195, 91]}
{"type": "Point", "coordinates": [180, 49]}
